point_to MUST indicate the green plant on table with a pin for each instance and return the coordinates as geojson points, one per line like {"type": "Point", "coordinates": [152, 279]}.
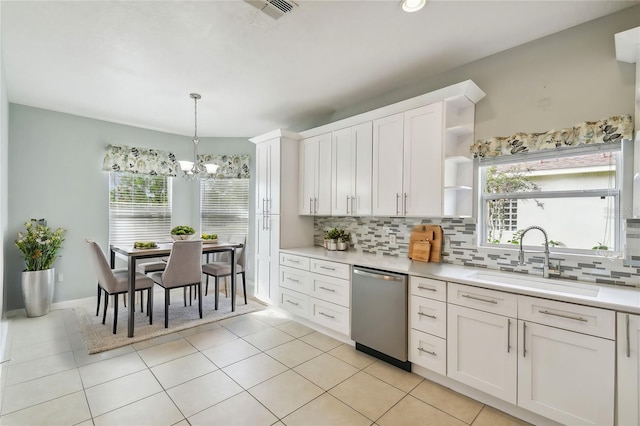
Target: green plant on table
{"type": "Point", "coordinates": [183, 230]}
{"type": "Point", "coordinates": [39, 245]}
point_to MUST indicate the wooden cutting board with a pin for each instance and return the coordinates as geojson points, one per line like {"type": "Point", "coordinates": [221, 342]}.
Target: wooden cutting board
{"type": "Point", "coordinates": [431, 233]}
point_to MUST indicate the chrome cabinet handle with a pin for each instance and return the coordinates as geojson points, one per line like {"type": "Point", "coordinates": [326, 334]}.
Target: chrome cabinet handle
{"type": "Point", "coordinates": [327, 315]}
{"type": "Point", "coordinates": [405, 203]}
{"type": "Point", "coordinates": [315, 204]}
{"type": "Point", "coordinates": [293, 261]}
{"type": "Point", "coordinates": [563, 316]}
{"type": "Point", "coordinates": [293, 280]}
{"type": "Point", "coordinates": [426, 351]}
{"type": "Point", "coordinates": [397, 200]}
{"type": "Point", "coordinates": [427, 288]}
{"type": "Point", "coordinates": [310, 205]}
{"type": "Point", "coordinates": [524, 340]}
{"type": "Point", "coordinates": [353, 205]}
{"type": "Point", "coordinates": [426, 315]}
{"type": "Point", "coordinates": [327, 268]}
{"type": "Point", "coordinates": [468, 296]}
{"type": "Point", "coordinates": [293, 303]}
{"type": "Point", "coordinates": [268, 202]}
{"type": "Point", "coordinates": [628, 339]}
{"type": "Point", "coordinates": [263, 208]}
{"type": "Point", "coordinates": [348, 204]}
{"type": "Point", "coordinates": [508, 335]}
{"type": "Point", "coordinates": [327, 289]}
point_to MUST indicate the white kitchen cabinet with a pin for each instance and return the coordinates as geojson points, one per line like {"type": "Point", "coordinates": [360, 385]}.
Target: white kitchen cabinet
{"type": "Point", "coordinates": [319, 290]}
{"type": "Point", "coordinates": [412, 139]}
{"type": "Point", "coordinates": [268, 177]}
{"type": "Point", "coordinates": [566, 376]}
{"type": "Point", "coordinates": [481, 351]}
{"type": "Point", "coordinates": [315, 171]}
{"type": "Point", "coordinates": [276, 203]}
{"type": "Point", "coordinates": [628, 342]}
{"type": "Point", "coordinates": [351, 160]}
{"type": "Point", "coordinates": [267, 246]}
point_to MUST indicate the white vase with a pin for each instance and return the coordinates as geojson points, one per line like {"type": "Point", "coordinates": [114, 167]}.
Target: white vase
{"type": "Point", "coordinates": [37, 291]}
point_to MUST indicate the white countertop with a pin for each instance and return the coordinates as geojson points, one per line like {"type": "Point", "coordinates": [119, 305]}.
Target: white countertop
{"type": "Point", "coordinates": [599, 295]}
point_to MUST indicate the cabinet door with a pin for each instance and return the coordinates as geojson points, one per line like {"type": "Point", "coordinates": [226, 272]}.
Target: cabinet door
{"type": "Point", "coordinates": [481, 351]}
{"type": "Point", "coordinates": [267, 250]}
{"type": "Point", "coordinates": [628, 369]}
{"type": "Point", "coordinates": [423, 160]}
{"type": "Point", "coordinates": [387, 166]}
{"type": "Point", "coordinates": [308, 164]}
{"type": "Point", "coordinates": [268, 177]}
{"type": "Point", "coordinates": [363, 138]}
{"type": "Point", "coordinates": [323, 177]}
{"type": "Point", "coordinates": [566, 376]}
{"type": "Point", "coordinates": [343, 151]}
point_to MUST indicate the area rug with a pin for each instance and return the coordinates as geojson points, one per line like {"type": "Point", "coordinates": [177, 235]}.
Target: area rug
{"type": "Point", "coordinates": [100, 338]}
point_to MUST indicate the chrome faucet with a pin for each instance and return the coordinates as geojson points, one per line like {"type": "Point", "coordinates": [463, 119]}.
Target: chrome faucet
{"type": "Point", "coordinates": [546, 265]}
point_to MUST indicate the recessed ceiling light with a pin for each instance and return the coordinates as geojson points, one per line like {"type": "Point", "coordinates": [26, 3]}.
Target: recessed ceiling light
{"type": "Point", "coordinates": [412, 5]}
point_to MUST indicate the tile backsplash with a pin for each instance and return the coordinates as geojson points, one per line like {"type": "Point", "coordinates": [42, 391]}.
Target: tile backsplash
{"type": "Point", "coordinates": [371, 235]}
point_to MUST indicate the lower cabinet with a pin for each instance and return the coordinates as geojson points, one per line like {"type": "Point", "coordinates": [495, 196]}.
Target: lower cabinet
{"type": "Point", "coordinates": [428, 324]}
{"type": "Point", "coordinates": [555, 359]}
{"type": "Point", "coordinates": [317, 290]}
{"type": "Point", "coordinates": [628, 369]}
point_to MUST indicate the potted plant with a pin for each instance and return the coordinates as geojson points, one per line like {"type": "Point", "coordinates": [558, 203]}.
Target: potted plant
{"type": "Point", "coordinates": [343, 240]}
{"type": "Point", "coordinates": [331, 239]}
{"type": "Point", "coordinates": [39, 246]}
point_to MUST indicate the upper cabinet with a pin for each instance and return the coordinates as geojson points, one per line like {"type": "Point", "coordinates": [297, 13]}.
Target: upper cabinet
{"type": "Point", "coordinates": [410, 158]}
{"type": "Point", "coordinates": [268, 177]}
{"type": "Point", "coordinates": [407, 163]}
{"type": "Point", "coordinates": [315, 172]}
{"type": "Point", "coordinates": [351, 151]}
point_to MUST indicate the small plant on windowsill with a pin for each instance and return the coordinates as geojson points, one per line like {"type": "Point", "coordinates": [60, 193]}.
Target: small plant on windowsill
{"type": "Point", "coordinates": [600, 246]}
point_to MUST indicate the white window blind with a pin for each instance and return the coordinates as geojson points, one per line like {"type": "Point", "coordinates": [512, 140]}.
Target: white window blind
{"type": "Point", "coordinates": [224, 207]}
{"type": "Point", "coordinates": [139, 208]}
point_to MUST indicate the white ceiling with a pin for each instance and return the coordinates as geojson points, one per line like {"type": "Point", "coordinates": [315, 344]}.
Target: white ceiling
{"type": "Point", "coordinates": [135, 62]}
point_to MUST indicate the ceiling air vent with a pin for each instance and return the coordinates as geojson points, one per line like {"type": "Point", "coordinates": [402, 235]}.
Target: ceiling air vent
{"type": "Point", "coordinates": [274, 8]}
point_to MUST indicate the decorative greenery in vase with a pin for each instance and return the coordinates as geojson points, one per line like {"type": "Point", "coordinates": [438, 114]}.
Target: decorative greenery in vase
{"type": "Point", "coordinates": [39, 245]}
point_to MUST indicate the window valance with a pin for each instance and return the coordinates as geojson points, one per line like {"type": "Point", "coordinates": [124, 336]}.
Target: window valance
{"type": "Point", "coordinates": [229, 166]}
{"type": "Point", "coordinates": [147, 161]}
{"type": "Point", "coordinates": [612, 129]}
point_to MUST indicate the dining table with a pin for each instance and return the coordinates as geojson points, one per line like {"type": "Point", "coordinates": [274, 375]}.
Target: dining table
{"type": "Point", "coordinates": [132, 255]}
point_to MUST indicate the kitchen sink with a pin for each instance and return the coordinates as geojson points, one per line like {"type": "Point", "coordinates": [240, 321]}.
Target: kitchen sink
{"type": "Point", "coordinates": [520, 280]}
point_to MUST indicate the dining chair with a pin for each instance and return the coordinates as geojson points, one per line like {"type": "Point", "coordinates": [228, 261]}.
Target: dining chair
{"type": "Point", "coordinates": [115, 282]}
{"type": "Point", "coordinates": [184, 268]}
{"type": "Point", "coordinates": [222, 269]}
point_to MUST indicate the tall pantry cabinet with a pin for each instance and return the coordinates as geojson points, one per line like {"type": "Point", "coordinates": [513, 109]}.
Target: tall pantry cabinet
{"type": "Point", "coordinates": [277, 223]}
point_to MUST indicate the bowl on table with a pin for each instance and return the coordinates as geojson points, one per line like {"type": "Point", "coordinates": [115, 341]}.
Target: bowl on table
{"type": "Point", "coordinates": [183, 237]}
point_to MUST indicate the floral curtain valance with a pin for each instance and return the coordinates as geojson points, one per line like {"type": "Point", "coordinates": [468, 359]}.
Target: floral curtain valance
{"type": "Point", "coordinates": [608, 130]}
{"type": "Point", "coordinates": [146, 161]}
{"type": "Point", "coordinates": [229, 166]}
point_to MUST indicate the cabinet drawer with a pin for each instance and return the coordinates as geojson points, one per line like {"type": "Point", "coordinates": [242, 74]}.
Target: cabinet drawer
{"type": "Point", "coordinates": [295, 279]}
{"type": "Point", "coordinates": [429, 288]}
{"type": "Point", "coordinates": [496, 302]}
{"type": "Point", "coordinates": [583, 319]}
{"type": "Point", "coordinates": [294, 302]}
{"type": "Point", "coordinates": [427, 315]}
{"type": "Point", "coordinates": [338, 270]}
{"type": "Point", "coordinates": [299, 262]}
{"type": "Point", "coordinates": [330, 289]}
{"type": "Point", "coordinates": [330, 315]}
{"type": "Point", "coordinates": [428, 351]}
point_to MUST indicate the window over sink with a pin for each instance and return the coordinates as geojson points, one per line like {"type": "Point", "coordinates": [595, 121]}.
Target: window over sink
{"type": "Point", "coordinates": [578, 194]}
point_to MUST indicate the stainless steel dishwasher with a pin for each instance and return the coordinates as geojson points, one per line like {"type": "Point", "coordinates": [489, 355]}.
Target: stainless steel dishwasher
{"type": "Point", "coordinates": [379, 314]}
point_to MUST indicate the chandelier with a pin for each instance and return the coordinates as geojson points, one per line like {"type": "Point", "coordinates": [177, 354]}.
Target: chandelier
{"type": "Point", "coordinates": [196, 169]}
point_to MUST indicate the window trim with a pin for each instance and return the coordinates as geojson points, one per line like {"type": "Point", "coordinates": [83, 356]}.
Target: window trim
{"type": "Point", "coordinates": [621, 191]}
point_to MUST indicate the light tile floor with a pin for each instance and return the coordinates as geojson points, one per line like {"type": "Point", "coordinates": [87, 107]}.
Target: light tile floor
{"type": "Point", "coordinates": [255, 369]}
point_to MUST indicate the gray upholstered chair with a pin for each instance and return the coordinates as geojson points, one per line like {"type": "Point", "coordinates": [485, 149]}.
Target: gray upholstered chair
{"type": "Point", "coordinates": [223, 268]}
{"type": "Point", "coordinates": [184, 268]}
{"type": "Point", "coordinates": [115, 282]}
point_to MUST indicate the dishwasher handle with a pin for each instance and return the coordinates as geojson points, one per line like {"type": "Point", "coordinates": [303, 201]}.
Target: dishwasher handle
{"type": "Point", "coordinates": [378, 276]}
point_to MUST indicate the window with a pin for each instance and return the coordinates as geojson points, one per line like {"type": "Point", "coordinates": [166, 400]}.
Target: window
{"type": "Point", "coordinates": [139, 208]}
{"type": "Point", "coordinates": [224, 207]}
{"type": "Point", "coordinates": [575, 194]}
